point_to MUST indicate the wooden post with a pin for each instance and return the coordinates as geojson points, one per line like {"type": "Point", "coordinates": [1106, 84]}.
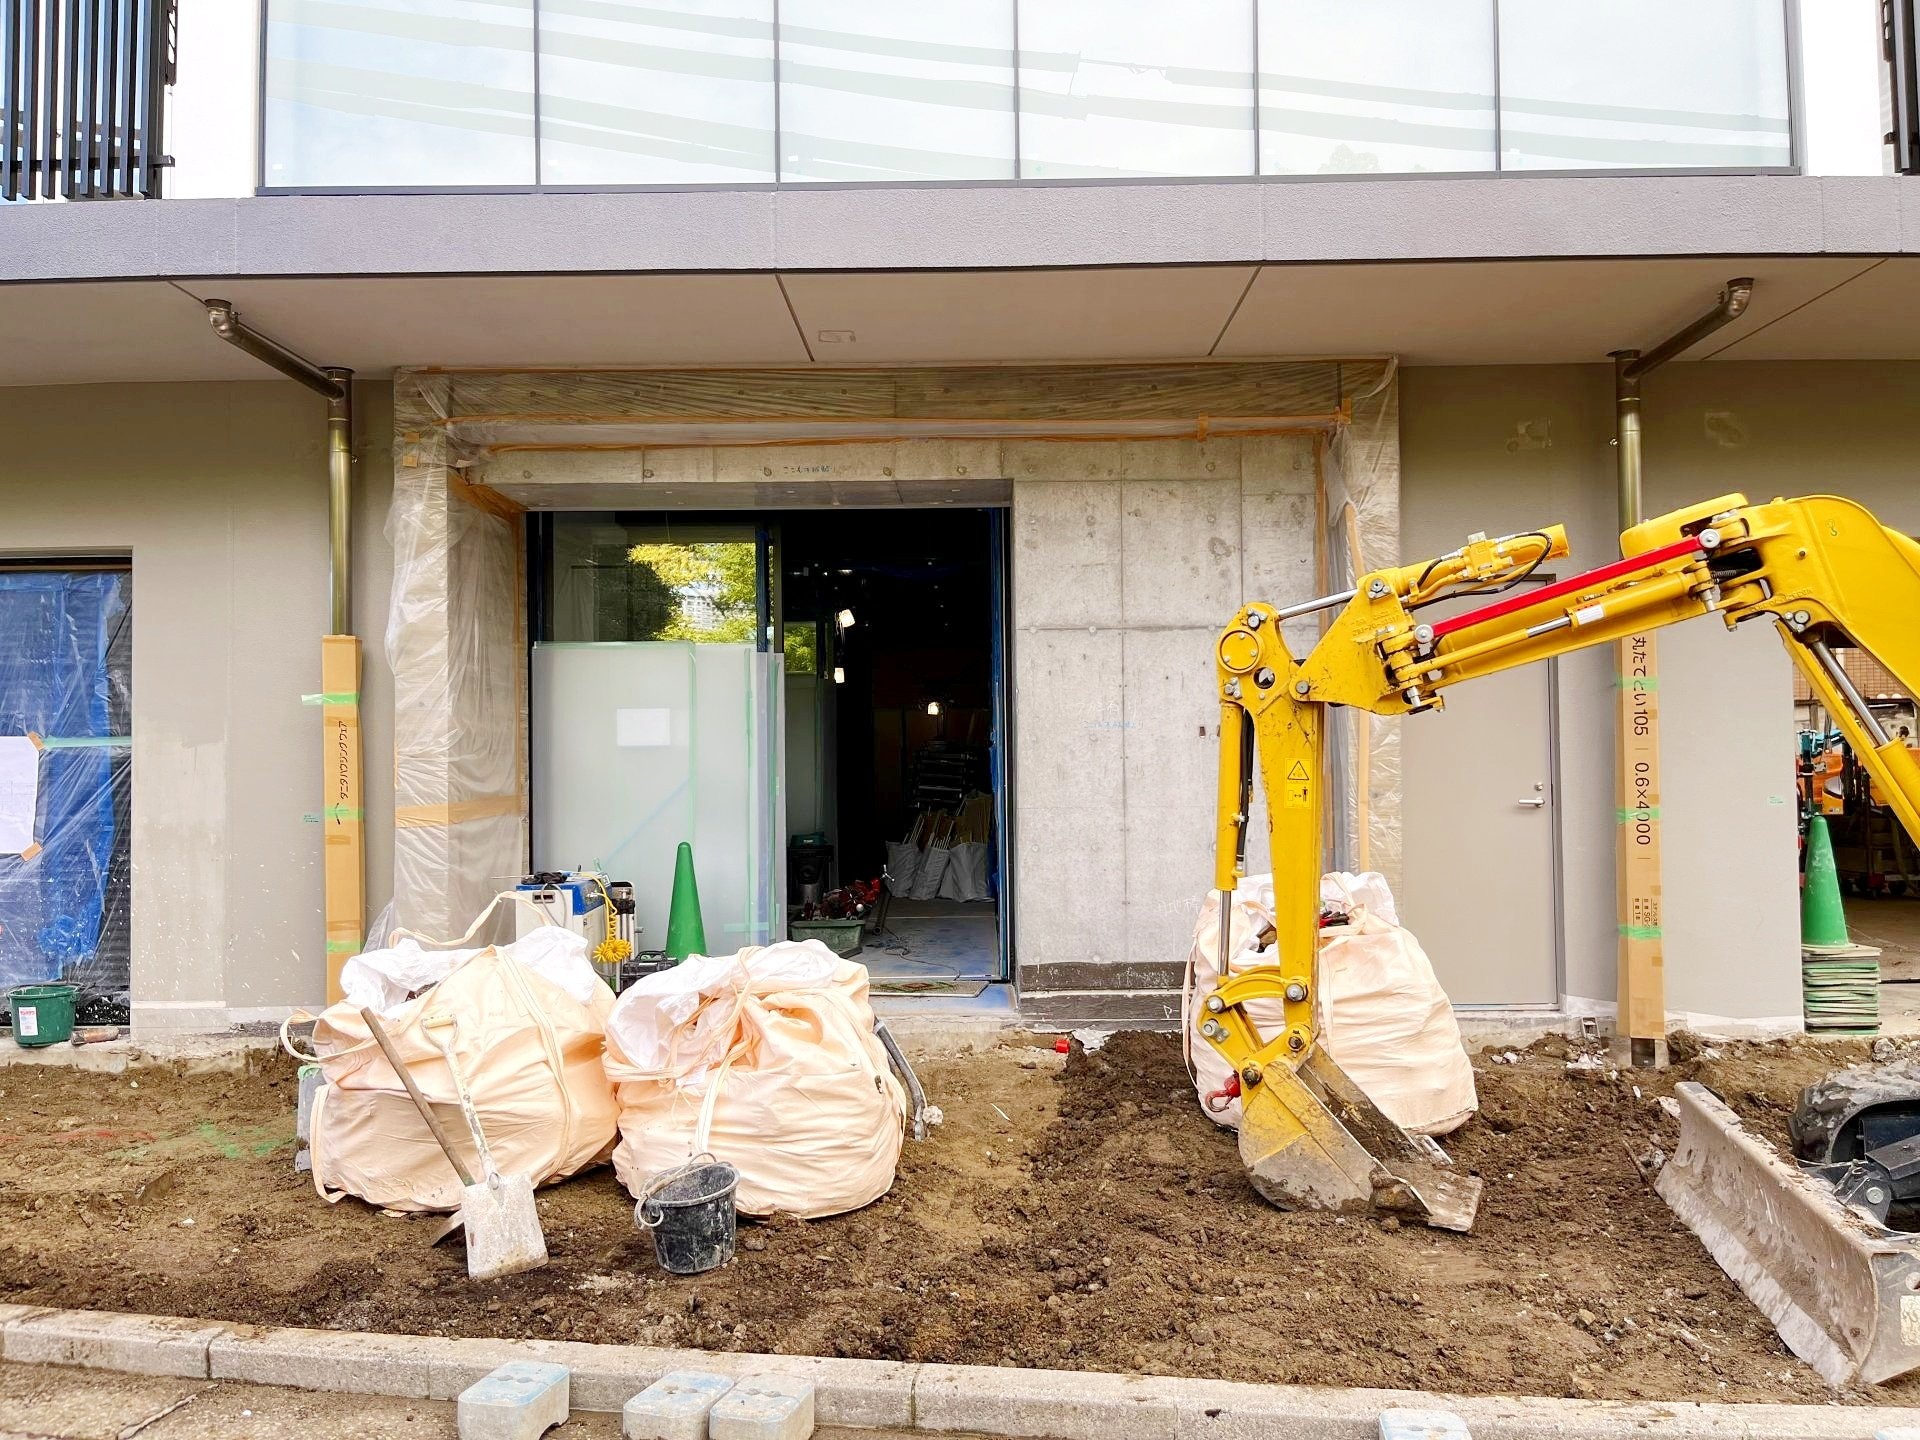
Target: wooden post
{"type": "Point", "coordinates": [1643, 982]}
{"type": "Point", "coordinates": [342, 814]}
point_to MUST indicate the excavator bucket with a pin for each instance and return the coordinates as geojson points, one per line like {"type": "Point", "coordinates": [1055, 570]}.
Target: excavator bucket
{"type": "Point", "coordinates": [1842, 1290]}
{"type": "Point", "coordinates": [1311, 1140]}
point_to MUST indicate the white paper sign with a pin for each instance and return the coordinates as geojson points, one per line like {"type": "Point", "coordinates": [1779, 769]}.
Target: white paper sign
{"type": "Point", "coordinates": [19, 792]}
{"type": "Point", "coordinates": [640, 729]}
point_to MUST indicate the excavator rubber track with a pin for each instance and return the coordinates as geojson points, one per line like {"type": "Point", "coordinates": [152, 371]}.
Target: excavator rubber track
{"type": "Point", "coordinates": [1842, 1290]}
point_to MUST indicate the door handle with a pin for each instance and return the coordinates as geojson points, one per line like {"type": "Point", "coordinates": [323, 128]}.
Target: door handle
{"type": "Point", "coordinates": [1532, 802]}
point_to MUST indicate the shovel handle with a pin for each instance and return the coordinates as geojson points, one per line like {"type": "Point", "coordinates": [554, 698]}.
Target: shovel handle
{"type": "Point", "coordinates": [413, 1091]}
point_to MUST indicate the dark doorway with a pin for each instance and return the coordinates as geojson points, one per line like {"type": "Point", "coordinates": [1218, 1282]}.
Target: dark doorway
{"type": "Point", "coordinates": [907, 733]}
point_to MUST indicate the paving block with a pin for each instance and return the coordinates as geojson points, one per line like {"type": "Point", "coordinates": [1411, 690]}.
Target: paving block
{"type": "Point", "coordinates": [96, 1340]}
{"type": "Point", "coordinates": [397, 1365]}
{"type": "Point", "coordinates": [764, 1407]}
{"type": "Point", "coordinates": [521, 1400]}
{"type": "Point", "coordinates": [1422, 1425]}
{"type": "Point", "coordinates": [1059, 1404]}
{"type": "Point", "coordinates": [674, 1407]}
{"type": "Point", "coordinates": [11, 1313]}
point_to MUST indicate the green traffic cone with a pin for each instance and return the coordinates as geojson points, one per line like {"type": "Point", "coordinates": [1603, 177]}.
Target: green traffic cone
{"type": "Point", "coordinates": [686, 935]}
{"type": "Point", "coordinates": [1823, 920]}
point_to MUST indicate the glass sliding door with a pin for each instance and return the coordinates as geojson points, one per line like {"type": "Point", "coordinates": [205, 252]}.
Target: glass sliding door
{"type": "Point", "coordinates": [656, 719]}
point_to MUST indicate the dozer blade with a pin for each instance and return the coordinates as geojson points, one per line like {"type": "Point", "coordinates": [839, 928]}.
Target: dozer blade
{"type": "Point", "coordinates": [1843, 1292]}
{"type": "Point", "coordinates": [1312, 1140]}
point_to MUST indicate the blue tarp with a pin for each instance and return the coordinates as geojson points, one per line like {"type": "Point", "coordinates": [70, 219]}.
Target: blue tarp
{"type": "Point", "coordinates": [65, 653]}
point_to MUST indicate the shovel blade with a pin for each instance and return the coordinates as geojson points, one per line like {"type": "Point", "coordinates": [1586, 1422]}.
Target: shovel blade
{"type": "Point", "coordinates": [503, 1227]}
{"type": "Point", "coordinates": [1313, 1141]}
{"type": "Point", "coordinates": [1843, 1292]}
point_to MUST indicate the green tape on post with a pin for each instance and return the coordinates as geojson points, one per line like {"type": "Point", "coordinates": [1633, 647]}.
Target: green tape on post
{"type": "Point", "coordinates": [1643, 682]}
{"type": "Point", "coordinates": [1647, 812]}
{"type": "Point", "coordinates": [1639, 932]}
{"type": "Point", "coordinates": [332, 697]}
{"type": "Point", "coordinates": [343, 947]}
{"type": "Point", "coordinates": [344, 812]}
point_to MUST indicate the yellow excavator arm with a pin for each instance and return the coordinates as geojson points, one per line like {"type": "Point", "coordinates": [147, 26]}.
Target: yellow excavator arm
{"type": "Point", "coordinates": [1823, 568]}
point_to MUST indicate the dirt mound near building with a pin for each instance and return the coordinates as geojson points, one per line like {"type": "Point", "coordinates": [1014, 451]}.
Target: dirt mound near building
{"type": "Point", "coordinates": [1085, 1217]}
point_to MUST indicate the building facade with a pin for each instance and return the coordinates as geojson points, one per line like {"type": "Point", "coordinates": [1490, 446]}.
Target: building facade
{"type": "Point", "coordinates": [1036, 338]}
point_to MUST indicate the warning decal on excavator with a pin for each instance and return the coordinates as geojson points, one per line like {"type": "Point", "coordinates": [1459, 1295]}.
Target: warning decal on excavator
{"type": "Point", "coordinates": [1295, 795]}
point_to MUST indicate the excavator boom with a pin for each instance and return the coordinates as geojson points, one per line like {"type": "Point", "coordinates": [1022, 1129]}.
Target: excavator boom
{"type": "Point", "coordinates": [1823, 569]}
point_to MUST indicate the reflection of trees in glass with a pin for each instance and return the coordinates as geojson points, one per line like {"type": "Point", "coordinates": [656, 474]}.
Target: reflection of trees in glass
{"type": "Point", "coordinates": [801, 645]}
{"type": "Point", "coordinates": [630, 602]}
{"type": "Point", "coordinates": [712, 585]}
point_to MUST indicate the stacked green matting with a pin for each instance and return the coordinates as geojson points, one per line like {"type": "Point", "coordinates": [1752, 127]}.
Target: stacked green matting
{"type": "Point", "coordinates": [1839, 981]}
{"type": "Point", "coordinates": [1840, 994]}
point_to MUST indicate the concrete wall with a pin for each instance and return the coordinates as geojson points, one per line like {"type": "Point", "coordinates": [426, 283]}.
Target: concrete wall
{"type": "Point", "coordinates": [1729, 886]}
{"type": "Point", "coordinates": [1127, 559]}
{"type": "Point", "coordinates": [218, 492]}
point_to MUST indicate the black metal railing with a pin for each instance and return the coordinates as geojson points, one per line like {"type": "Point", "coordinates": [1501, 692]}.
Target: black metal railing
{"type": "Point", "coordinates": [81, 90]}
{"type": "Point", "coordinates": [1903, 84]}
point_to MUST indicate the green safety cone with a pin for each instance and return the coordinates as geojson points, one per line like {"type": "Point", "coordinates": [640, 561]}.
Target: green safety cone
{"type": "Point", "coordinates": [686, 935]}
{"type": "Point", "coordinates": [1823, 920]}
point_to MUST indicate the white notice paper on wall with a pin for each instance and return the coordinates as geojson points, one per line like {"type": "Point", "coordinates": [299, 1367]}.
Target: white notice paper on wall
{"type": "Point", "coordinates": [19, 792]}
{"type": "Point", "coordinates": [642, 729]}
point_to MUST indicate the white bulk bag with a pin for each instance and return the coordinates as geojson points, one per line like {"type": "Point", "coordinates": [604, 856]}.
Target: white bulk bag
{"type": "Point", "coordinates": [966, 873]}
{"type": "Point", "coordinates": [1386, 1022]}
{"type": "Point", "coordinates": [527, 1025]}
{"type": "Point", "coordinates": [767, 1060]}
{"type": "Point", "coordinates": [903, 860]}
{"type": "Point", "coordinates": [530, 1054]}
{"type": "Point", "coordinates": [1382, 1014]}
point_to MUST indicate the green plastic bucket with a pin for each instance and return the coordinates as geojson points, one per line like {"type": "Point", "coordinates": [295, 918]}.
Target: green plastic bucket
{"type": "Point", "coordinates": [42, 1014]}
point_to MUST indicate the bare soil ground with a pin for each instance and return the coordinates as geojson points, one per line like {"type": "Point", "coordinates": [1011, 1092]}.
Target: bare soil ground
{"type": "Point", "coordinates": [1082, 1218]}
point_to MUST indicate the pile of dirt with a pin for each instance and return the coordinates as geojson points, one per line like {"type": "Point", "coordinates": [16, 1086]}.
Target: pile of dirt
{"type": "Point", "coordinates": [1083, 1218]}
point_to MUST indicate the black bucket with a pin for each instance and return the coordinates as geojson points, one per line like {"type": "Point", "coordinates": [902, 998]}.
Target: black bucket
{"type": "Point", "coordinates": [689, 1212]}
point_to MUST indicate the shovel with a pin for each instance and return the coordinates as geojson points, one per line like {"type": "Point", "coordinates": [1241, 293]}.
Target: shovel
{"type": "Point", "coordinates": [502, 1225]}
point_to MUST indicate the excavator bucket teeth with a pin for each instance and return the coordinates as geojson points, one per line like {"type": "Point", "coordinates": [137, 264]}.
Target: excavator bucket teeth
{"type": "Point", "coordinates": [1313, 1141]}
{"type": "Point", "coordinates": [1843, 1291]}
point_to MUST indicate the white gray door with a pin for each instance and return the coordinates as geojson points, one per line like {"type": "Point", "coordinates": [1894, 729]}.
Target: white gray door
{"type": "Point", "coordinates": [1478, 884]}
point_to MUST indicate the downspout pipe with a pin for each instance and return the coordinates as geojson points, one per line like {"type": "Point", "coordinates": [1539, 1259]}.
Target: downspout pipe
{"type": "Point", "coordinates": [334, 385]}
{"type": "Point", "coordinates": [1631, 366]}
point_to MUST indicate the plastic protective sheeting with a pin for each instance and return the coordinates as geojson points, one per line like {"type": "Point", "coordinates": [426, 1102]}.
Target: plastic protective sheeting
{"type": "Point", "coordinates": [456, 641]}
{"type": "Point", "coordinates": [1382, 1014]}
{"type": "Point", "coordinates": [528, 1048]}
{"type": "Point", "coordinates": [1363, 533]}
{"type": "Point", "coordinates": [767, 1060]}
{"type": "Point", "coordinates": [66, 647]}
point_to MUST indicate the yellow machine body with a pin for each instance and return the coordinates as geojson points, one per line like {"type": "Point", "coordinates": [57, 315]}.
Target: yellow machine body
{"type": "Point", "coordinates": [1823, 568]}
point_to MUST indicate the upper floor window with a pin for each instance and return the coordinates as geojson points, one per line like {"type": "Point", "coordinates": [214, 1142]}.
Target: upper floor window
{"type": "Point", "coordinates": [593, 94]}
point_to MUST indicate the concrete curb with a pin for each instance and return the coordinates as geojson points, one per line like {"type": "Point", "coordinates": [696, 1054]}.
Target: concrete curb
{"type": "Point", "coordinates": [929, 1399]}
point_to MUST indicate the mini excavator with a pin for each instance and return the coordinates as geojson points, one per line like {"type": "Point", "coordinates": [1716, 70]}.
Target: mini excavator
{"type": "Point", "coordinates": [1828, 575]}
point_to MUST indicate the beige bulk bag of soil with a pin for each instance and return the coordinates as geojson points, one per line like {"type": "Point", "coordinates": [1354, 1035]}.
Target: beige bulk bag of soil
{"type": "Point", "coordinates": [528, 1047]}
{"type": "Point", "coordinates": [767, 1060]}
{"type": "Point", "coordinates": [1385, 1020]}
{"type": "Point", "coordinates": [1383, 1015]}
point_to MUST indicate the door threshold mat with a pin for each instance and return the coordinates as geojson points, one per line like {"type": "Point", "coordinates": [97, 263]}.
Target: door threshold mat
{"type": "Point", "coordinates": [917, 985]}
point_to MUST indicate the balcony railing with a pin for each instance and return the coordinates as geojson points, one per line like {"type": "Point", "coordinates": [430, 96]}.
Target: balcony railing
{"type": "Point", "coordinates": [81, 89]}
